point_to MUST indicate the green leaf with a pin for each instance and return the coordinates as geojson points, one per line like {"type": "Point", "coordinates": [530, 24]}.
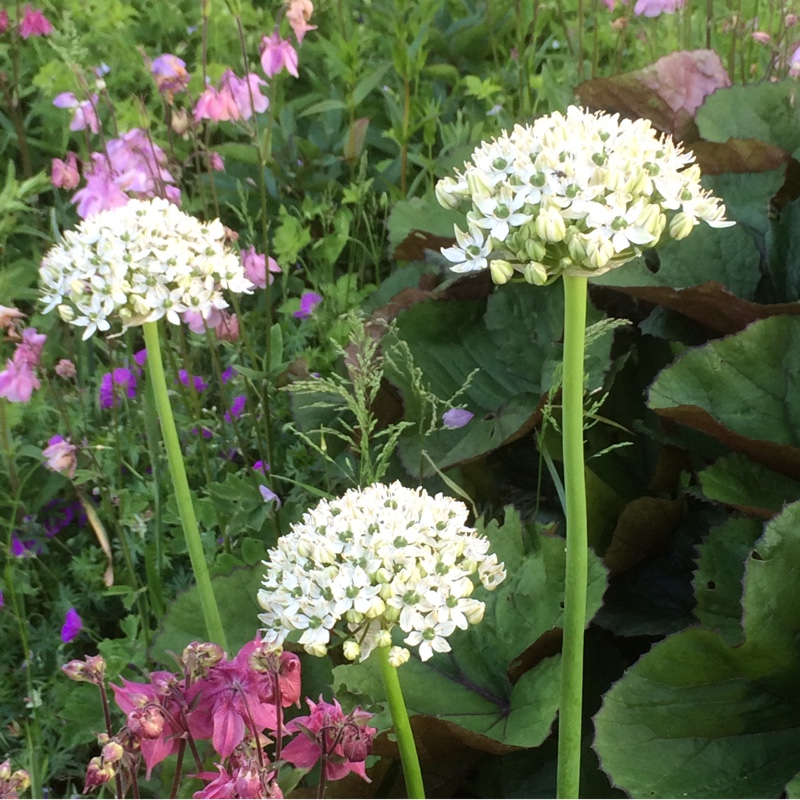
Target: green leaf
{"type": "Point", "coordinates": [291, 236]}
{"type": "Point", "coordinates": [698, 717]}
{"type": "Point", "coordinates": [421, 215]}
{"type": "Point", "coordinates": [322, 107]}
{"type": "Point", "coordinates": [740, 483]}
{"type": "Point", "coordinates": [183, 623]}
{"type": "Point", "coordinates": [765, 111]}
{"type": "Point", "coordinates": [742, 390]}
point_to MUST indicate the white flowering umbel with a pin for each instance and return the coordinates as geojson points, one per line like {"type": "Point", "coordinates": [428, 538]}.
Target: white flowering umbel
{"type": "Point", "coordinates": [138, 263]}
{"type": "Point", "coordinates": [578, 194]}
{"type": "Point", "coordinates": [370, 560]}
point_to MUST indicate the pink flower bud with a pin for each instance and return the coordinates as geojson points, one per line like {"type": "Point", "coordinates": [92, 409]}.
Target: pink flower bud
{"type": "Point", "coordinates": [65, 369]}
{"type": "Point", "coordinates": [61, 456]}
{"type": "Point", "coordinates": [227, 329]}
{"type": "Point", "coordinates": [97, 774]}
{"type": "Point", "coordinates": [64, 174]}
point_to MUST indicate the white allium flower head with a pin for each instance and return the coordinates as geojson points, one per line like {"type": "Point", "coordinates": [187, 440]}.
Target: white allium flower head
{"type": "Point", "coordinates": [575, 193]}
{"type": "Point", "coordinates": [138, 263]}
{"type": "Point", "coordinates": [374, 559]}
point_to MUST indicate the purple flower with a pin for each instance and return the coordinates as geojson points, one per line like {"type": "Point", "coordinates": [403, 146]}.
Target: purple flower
{"type": "Point", "coordinates": [72, 626]}
{"type": "Point", "coordinates": [261, 466]}
{"type": "Point", "coordinates": [26, 548]}
{"type": "Point", "coordinates": [228, 374]}
{"type": "Point", "coordinates": [269, 495]}
{"type": "Point", "coordinates": [308, 302]}
{"type": "Point", "coordinates": [170, 73]}
{"type": "Point", "coordinates": [199, 384]}
{"type": "Point", "coordinates": [115, 383]}
{"type": "Point", "coordinates": [140, 357]}
{"type": "Point", "coordinates": [652, 8]}
{"type": "Point", "coordinates": [237, 406]}
{"type": "Point", "coordinates": [456, 418]}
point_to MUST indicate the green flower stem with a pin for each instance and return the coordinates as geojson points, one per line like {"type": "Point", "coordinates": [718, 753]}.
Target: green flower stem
{"type": "Point", "coordinates": [402, 727]}
{"type": "Point", "coordinates": [570, 708]}
{"type": "Point", "coordinates": [180, 483]}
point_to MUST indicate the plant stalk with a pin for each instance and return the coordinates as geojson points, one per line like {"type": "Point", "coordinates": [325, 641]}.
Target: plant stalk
{"type": "Point", "coordinates": [155, 367]}
{"type": "Point", "coordinates": [402, 727]}
{"type": "Point", "coordinates": [570, 708]}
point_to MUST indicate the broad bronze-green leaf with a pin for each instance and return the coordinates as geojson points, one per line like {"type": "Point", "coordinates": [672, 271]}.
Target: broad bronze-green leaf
{"type": "Point", "coordinates": [743, 390]}
{"type": "Point", "coordinates": [698, 717]}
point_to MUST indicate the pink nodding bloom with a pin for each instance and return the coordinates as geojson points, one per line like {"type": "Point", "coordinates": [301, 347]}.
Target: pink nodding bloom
{"type": "Point", "coordinates": [34, 23]}
{"type": "Point", "coordinates": [84, 112]}
{"type": "Point", "coordinates": [298, 14]}
{"type": "Point", "coordinates": [228, 328]}
{"type": "Point", "coordinates": [218, 105]}
{"type": "Point", "coordinates": [61, 456]}
{"type": "Point", "coordinates": [652, 8]}
{"type": "Point", "coordinates": [66, 369]}
{"type": "Point", "coordinates": [258, 268]}
{"type": "Point", "coordinates": [3, 21]}
{"type": "Point", "coordinates": [762, 37]}
{"type": "Point", "coordinates": [18, 382]}
{"type": "Point", "coordinates": [277, 54]}
{"type": "Point", "coordinates": [170, 73]}
{"type": "Point", "coordinates": [9, 319]}
{"type": "Point", "coordinates": [64, 174]}
{"type": "Point", "coordinates": [241, 89]}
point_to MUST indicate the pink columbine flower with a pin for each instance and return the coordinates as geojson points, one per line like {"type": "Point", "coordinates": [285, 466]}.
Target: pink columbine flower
{"type": "Point", "coordinates": [18, 382]}
{"type": "Point", "coordinates": [794, 63]}
{"type": "Point", "coordinates": [215, 161]}
{"type": "Point", "coordinates": [3, 21]}
{"type": "Point", "coordinates": [198, 324]}
{"type": "Point", "coordinates": [9, 319]}
{"type": "Point", "coordinates": [258, 268]}
{"type": "Point", "coordinates": [84, 112]}
{"type": "Point", "coordinates": [343, 740]}
{"type": "Point", "coordinates": [61, 456]}
{"type": "Point", "coordinates": [228, 328]}
{"type": "Point", "coordinates": [34, 23]}
{"type": "Point", "coordinates": [100, 193]}
{"type": "Point", "coordinates": [29, 350]}
{"type": "Point", "coordinates": [278, 54]}
{"type": "Point", "coordinates": [64, 174]}
{"type": "Point", "coordinates": [456, 418]}
{"type": "Point", "coordinates": [170, 73]}
{"type": "Point", "coordinates": [72, 626]}
{"type": "Point", "coordinates": [298, 14]}
{"type": "Point", "coordinates": [652, 8]}
{"type": "Point", "coordinates": [241, 90]}
{"type": "Point", "coordinates": [308, 302]}
{"type": "Point", "coordinates": [218, 105]}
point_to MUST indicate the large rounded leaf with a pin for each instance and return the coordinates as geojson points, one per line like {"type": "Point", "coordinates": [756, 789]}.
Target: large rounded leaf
{"type": "Point", "coordinates": [698, 717]}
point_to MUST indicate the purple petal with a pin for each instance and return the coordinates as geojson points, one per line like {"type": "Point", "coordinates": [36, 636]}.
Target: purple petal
{"type": "Point", "coordinates": [456, 418]}
{"type": "Point", "coordinates": [72, 626]}
{"type": "Point", "coordinates": [269, 495]}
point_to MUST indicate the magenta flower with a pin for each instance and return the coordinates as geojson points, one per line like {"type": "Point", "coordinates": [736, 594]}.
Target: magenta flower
{"type": "Point", "coordinates": [342, 741]}
{"type": "Point", "coordinates": [61, 456]}
{"type": "Point", "coordinates": [215, 162]}
{"type": "Point", "coordinates": [261, 466]}
{"type": "Point", "coordinates": [241, 89]}
{"type": "Point", "coordinates": [222, 785]}
{"type": "Point", "coordinates": [308, 302]}
{"type": "Point", "coordinates": [23, 548]}
{"type": "Point", "coordinates": [18, 382]}
{"type": "Point", "coordinates": [84, 112]}
{"type": "Point", "coordinates": [456, 418]}
{"type": "Point", "coordinates": [170, 73]}
{"type": "Point", "coordinates": [237, 407]}
{"type": "Point", "coordinates": [278, 54]}
{"type": "Point", "coordinates": [231, 696]}
{"type": "Point", "coordinates": [29, 350]}
{"type": "Point", "coordinates": [115, 384]}
{"type": "Point", "coordinates": [199, 384]}
{"type": "Point", "coordinates": [3, 21]}
{"type": "Point", "coordinates": [72, 626]}
{"type": "Point", "coordinates": [140, 357]}
{"type": "Point", "coordinates": [64, 174]}
{"type": "Point", "coordinates": [34, 23]}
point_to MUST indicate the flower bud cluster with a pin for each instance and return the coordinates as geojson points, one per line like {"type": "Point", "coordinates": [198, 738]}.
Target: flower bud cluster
{"type": "Point", "coordinates": [13, 784]}
{"type": "Point", "coordinates": [373, 559]}
{"type": "Point", "coordinates": [575, 194]}
{"type": "Point", "coordinates": [138, 263]}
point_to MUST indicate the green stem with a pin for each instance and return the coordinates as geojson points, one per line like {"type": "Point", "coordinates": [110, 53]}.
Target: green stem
{"type": "Point", "coordinates": [570, 713]}
{"type": "Point", "coordinates": [402, 727]}
{"type": "Point", "coordinates": [180, 483]}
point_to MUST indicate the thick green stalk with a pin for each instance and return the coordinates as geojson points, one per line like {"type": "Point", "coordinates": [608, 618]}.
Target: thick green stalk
{"type": "Point", "coordinates": [180, 483]}
{"type": "Point", "coordinates": [402, 727]}
{"type": "Point", "coordinates": [570, 708]}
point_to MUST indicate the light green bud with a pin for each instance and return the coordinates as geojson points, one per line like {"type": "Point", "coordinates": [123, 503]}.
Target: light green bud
{"type": "Point", "coordinates": [351, 649]}
{"type": "Point", "coordinates": [501, 271]}
{"type": "Point", "coordinates": [398, 656]}
{"type": "Point", "coordinates": [354, 617]}
{"type": "Point", "coordinates": [653, 220]}
{"type": "Point", "coordinates": [318, 650]}
{"type": "Point", "coordinates": [577, 248]}
{"type": "Point", "coordinates": [535, 272]}
{"type": "Point", "coordinates": [535, 250]}
{"type": "Point", "coordinates": [478, 184]}
{"type": "Point", "coordinates": [376, 608]}
{"type": "Point", "coordinates": [550, 226]}
{"type": "Point", "coordinates": [681, 225]}
{"type": "Point", "coordinates": [445, 194]}
{"type": "Point", "coordinates": [67, 313]}
{"type": "Point", "coordinates": [383, 638]}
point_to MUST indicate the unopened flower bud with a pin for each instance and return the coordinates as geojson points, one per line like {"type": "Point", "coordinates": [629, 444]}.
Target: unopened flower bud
{"type": "Point", "coordinates": [398, 656]}
{"type": "Point", "coordinates": [473, 610]}
{"type": "Point", "coordinates": [351, 649]}
{"type": "Point", "coordinates": [180, 121]}
{"type": "Point", "coordinates": [577, 248]}
{"type": "Point", "coordinates": [681, 225]}
{"type": "Point", "coordinates": [550, 225]}
{"type": "Point", "coordinates": [477, 183]}
{"type": "Point", "coordinates": [391, 614]}
{"type": "Point", "coordinates": [112, 752]}
{"type": "Point", "coordinates": [97, 774]}
{"type": "Point", "coordinates": [318, 650]}
{"type": "Point", "coordinates": [653, 220]}
{"type": "Point", "coordinates": [501, 271]}
{"type": "Point", "coordinates": [445, 194]}
{"type": "Point", "coordinates": [535, 250]}
{"type": "Point", "coordinates": [67, 313]}
{"type": "Point", "coordinates": [383, 638]}
{"type": "Point", "coordinates": [353, 616]}
{"type": "Point", "coordinates": [376, 608]}
{"type": "Point", "coordinates": [599, 251]}
{"type": "Point", "coordinates": [535, 273]}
